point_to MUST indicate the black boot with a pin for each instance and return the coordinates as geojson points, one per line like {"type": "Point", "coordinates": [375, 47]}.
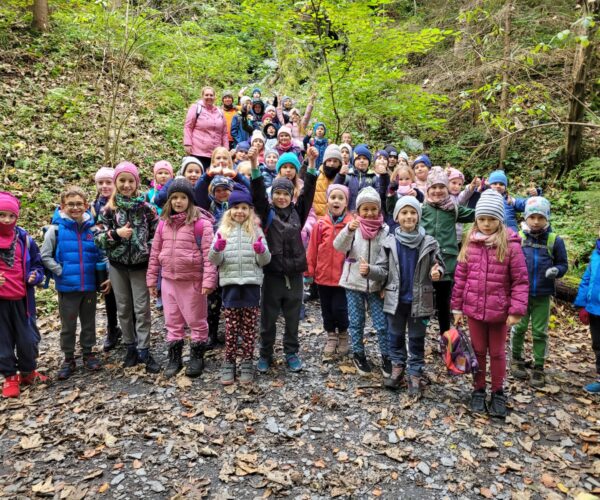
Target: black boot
{"type": "Point", "coordinates": [175, 364]}
{"type": "Point", "coordinates": [113, 335]}
{"type": "Point", "coordinates": [131, 357]}
{"type": "Point", "coordinates": [196, 364]}
{"type": "Point", "coordinates": [146, 358]}
{"type": "Point", "coordinates": [498, 405]}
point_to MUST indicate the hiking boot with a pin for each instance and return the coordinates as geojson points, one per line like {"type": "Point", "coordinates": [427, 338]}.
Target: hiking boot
{"type": "Point", "coordinates": [175, 364]}
{"type": "Point", "coordinates": [246, 372]}
{"type": "Point", "coordinates": [91, 362]}
{"type": "Point", "coordinates": [362, 363]}
{"type": "Point", "coordinates": [478, 401]}
{"type": "Point", "coordinates": [11, 387]}
{"type": "Point", "coordinates": [396, 379]}
{"type": "Point", "coordinates": [293, 362]}
{"type": "Point", "coordinates": [131, 356]}
{"type": "Point", "coordinates": [330, 346]}
{"type": "Point", "coordinates": [34, 378]}
{"type": "Point", "coordinates": [195, 366]}
{"type": "Point", "coordinates": [343, 347]}
{"type": "Point", "coordinates": [593, 388]}
{"type": "Point", "coordinates": [386, 366]}
{"type": "Point", "coordinates": [498, 405]}
{"type": "Point", "coordinates": [112, 339]}
{"type": "Point", "coordinates": [227, 373]}
{"type": "Point", "coordinates": [415, 386]}
{"type": "Point", "coordinates": [538, 378]}
{"type": "Point", "coordinates": [518, 369]}
{"type": "Point", "coordinates": [67, 369]}
{"type": "Point", "coordinates": [146, 358]}
{"type": "Point", "coordinates": [263, 364]}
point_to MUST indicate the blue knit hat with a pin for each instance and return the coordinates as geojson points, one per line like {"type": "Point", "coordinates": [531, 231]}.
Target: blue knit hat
{"type": "Point", "coordinates": [537, 205]}
{"type": "Point", "coordinates": [220, 181]}
{"type": "Point", "coordinates": [382, 152]}
{"type": "Point", "coordinates": [423, 159]}
{"type": "Point", "coordinates": [498, 176]}
{"type": "Point", "coordinates": [363, 150]}
{"type": "Point", "coordinates": [243, 146]}
{"type": "Point", "coordinates": [240, 194]}
{"type": "Point", "coordinates": [317, 125]}
{"type": "Point", "coordinates": [288, 158]}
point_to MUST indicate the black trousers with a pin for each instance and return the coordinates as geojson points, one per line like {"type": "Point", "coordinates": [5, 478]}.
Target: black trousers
{"type": "Point", "coordinates": [443, 292]}
{"type": "Point", "coordinates": [334, 308]}
{"type": "Point", "coordinates": [595, 332]}
{"type": "Point", "coordinates": [16, 333]}
{"type": "Point", "coordinates": [215, 302]}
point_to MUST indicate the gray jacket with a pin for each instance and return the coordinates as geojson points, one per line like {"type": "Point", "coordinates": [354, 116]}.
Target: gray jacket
{"type": "Point", "coordinates": [239, 264]}
{"type": "Point", "coordinates": [355, 246]}
{"type": "Point", "coordinates": [387, 270]}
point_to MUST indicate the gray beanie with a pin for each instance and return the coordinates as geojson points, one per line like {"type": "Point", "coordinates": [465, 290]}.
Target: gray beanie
{"type": "Point", "coordinates": [368, 195]}
{"type": "Point", "coordinates": [491, 203]}
{"type": "Point", "coordinates": [334, 152]}
{"type": "Point", "coordinates": [186, 161]}
{"type": "Point", "coordinates": [407, 201]}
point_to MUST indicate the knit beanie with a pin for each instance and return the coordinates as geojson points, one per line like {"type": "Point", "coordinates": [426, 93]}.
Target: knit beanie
{"type": "Point", "coordinates": [498, 176]}
{"type": "Point", "coordinates": [127, 167]}
{"type": "Point", "coordinates": [537, 205]}
{"type": "Point", "coordinates": [186, 161]}
{"type": "Point", "coordinates": [227, 93]}
{"type": "Point", "coordinates": [437, 176]}
{"type": "Point", "coordinates": [284, 130]}
{"type": "Point", "coordinates": [240, 194]}
{"type": "Point", "coordinates": [490, 203]}
{"type": "Point", "coordinates": [368, 195]}
{"type": "Point", "coordinates": [317, 125]}
{"type": "Point", "coordinates": [382, 152]}
{"type": "Point", "coordinates": [407, 201]}
{"type": "Point", "coordinates": [245, 99]}
{"type": "Point", "coordinates": [333, 152]}
{"type": "Point", "coordinates": [403, 154]}
{"type": "Point", "coordinates": [391, 150]}
{"type": "Point", "coordinates": [104, 173]}
{"type": "Point", "coordinates": [288, 158]}
{"type": "Point", "coordinates": [163, 165]}
{"type": "Point", "coordinates": [286, 98]}
{"type": "Point", "coordinates": [256, 89]}
{"type": "Point", "coordinates": [220, 181]}
{"type": "Point", "coordinates": [270, 107]}
{"type": "Point", "coordinates": [339, 187]}
{"type": "Point", "coordinates": [283, 184]}
{"type": "Point", "coordinates": [362, 150]}
{"type": "Point", "coordinates": [422, 159]}
{"type": "Point", "coordinates": [181, 185]}
{"type": "Point", "coordinates": [455, 174]}
{"type": "Point", "coordinates": [9, 203]}
{"type": "Point", "coordinates": [257, 134]}
{"type": "Point", "coordinates": [347, 147]}
{"type": "Point", "coordinates": [271, 152]}
{"type": "Point", "coordinates": [243, 146]}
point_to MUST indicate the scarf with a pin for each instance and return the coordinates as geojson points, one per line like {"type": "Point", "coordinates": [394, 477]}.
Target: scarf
{"type": "Point", "coordinates": [447, 204]}
{"type": "Point", "coordinates": [412, 239]}
{"type": "Point", "coordinates": [370, 227]}
{"type": "Point", "coordinates": [8, 243]}
{"type": "Point", "coordinates": [126, 202]}
{"type": "Point", "coordinates": [283, 148]}
{"type": "Point", "coordinates": [405, 189]}
{"type": "Point", "coordinates": [156, 185]}
{"type": "Point", "coordinates": [178, 220]}
{"type": "Point", "coordinates": [336, 220]}
{"type": "Point", "coordinates": [489, 240]}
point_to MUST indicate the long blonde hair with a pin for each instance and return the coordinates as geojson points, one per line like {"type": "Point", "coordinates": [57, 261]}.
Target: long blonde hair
{"type": "Point", "coordinates": [402, 168]}
{"type": "Point", "coordinates": [500, 242]}
{"type": "Point", "coordinates": [227, 224]}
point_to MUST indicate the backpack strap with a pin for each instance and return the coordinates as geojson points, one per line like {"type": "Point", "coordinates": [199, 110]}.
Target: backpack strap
{"type": "Point", "coordinates": [270, 217]}
{"type": "Point", "coordinates": [550, 244]}
{"type": "Point", "coordinates": [198, 230]}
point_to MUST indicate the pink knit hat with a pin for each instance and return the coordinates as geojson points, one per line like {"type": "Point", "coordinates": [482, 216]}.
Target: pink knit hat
{"type": "Point", "coordinates": [163, 165]}
{"type": "Point", "coordinates": [284, 130]}
{"type": "Point", "coordinates": [339, 187]}
{"type": "Point", "coordinates": [437, 176]}
{"type": "Point", "coordinates": [9, 203]}
{"type": "Point", "coordinates": [454, 173]}
{"type": "Point", "coordinates": [104, 173]}
{"type": "Point", "coordinates": [128, 167]}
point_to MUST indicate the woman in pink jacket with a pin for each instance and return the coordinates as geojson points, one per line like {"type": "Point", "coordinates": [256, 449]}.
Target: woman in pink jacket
{"type": "Point", "coordinates": [491, 289]}
{"type": "Point", "coordinates": [205, 128]}
{"type": "Point", "coordinates": [180, 251]}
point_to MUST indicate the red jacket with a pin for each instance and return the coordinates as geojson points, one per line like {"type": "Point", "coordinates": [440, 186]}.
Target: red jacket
{"type": "Point", "coordinates": [325, 263]}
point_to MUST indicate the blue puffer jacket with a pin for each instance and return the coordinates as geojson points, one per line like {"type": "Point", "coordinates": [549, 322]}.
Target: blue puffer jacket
{"type": "Point", "coordinates": [589, 287]}
{"type": "Point", "coordinates": [535, 248]}
{"type": "Point", "coordinates": [240, 128]}
{"type": "Point", "coordinates": [355, 181]}
{"type": "Point", "coordinates": [77, 254]}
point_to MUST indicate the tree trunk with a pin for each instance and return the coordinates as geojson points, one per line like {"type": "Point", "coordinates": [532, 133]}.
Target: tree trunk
{"type": "Point", "coordinates": [504, 91]}
{"type": "Point", "coordinates": [41, 15]}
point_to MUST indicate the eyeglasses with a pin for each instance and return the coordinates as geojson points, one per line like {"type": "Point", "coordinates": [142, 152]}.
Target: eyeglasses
{"type": "Point", "coordinates": [75, 205]}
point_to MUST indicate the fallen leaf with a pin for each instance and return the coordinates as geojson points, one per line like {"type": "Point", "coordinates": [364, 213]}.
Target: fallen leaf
{"type": "Point", "coordinates": [210, 412]}
{"type": "Point", "coordinates": [562, 488]}
{"type": "Point", "coordinates": [346, 369]}
{"type": "Point", "coordinates": [548, 481]}
{"type": "Point", "coordinates": [44, 487]}
{"type": "Point", "coordinates": [109, 440]}
{"type": "Point", "coordinates": [103, 488]}
{"type": "Point", "coordinates": [31, 442]}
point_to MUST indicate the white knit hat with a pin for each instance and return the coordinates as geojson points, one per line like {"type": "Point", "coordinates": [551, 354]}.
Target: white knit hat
{"type": "Point", "coordinates": [491, 203]}
{"type": "Point", "coordinates": [257, 134]}
{"type": "Point", "coordinates": [407, 201]}
{"type": "Point", "coordinates": [368, 195]}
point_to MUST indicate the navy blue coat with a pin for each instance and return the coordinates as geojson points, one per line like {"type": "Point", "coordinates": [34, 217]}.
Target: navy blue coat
{"type": "Point", "coordinates": [539, 261]}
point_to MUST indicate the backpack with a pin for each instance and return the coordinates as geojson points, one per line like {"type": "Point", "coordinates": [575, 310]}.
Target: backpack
{"type": "Point", "coordinates": [48, 275]}
{"type": "Point", "coordinates": [198, 228]}
{"type": "Point", "coordinates": [457, 352]}
{"type": "Point", "coordinates": [549, 243]}
{"type": "Point", "coordinates": [199, 108]}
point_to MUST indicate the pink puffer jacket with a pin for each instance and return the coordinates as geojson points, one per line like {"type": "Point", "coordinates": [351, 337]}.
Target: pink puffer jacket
{"type": "Point", "coordinates": [176, 253]}
{"type": "Point", "coordinates": [488, 290]}
{"type": "Point", "coordinates": [206, 131]}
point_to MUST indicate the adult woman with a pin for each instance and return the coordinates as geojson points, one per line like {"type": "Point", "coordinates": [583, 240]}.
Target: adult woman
{"type": "Point", "coordinates": [205, 128]}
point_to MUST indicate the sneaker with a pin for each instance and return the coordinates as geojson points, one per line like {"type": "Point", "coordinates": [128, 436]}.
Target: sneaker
{"type": "Point", "coordinates": [66, 369]}
{"type": "Point", "coordinates": [518, 369]}
{"type": "Point", "coordinates": [264, 364]}
{"type": "Point", "coordinates": [112, 339]}
{"type": "Point", "coordinates": [33, 378]}
{"type": "Point", "coordinates": [146, 358]}
{"type": "Point", "coordinates": [538, 378]}
{"type": "Point", "coordinates": [478, 401]}
{"type": "Point", "coordinates": [415, 386]}
{"type": "Point", "coordinates": [386, 366]}
{"type": "Point", "coordinates": [10, 388]}
{"type": "Point", "coordinates": [91, 362]}
{"type": "Point", "coordinates": [396, 379]}
{"type": "Point", "coordinates": [330, 347]}
{"type": "Point", "coordinates": [246, 372]}
{"type": "Point", "coordinates": [343, 346]}
{"type": "Point", "coordinates": [498, 405]}
{"type": "Point", "coordinates": [362, 363]}
{"type": "Point", "coordinates": [227, 373]}
{"type": "Point", "coordinates": [593, 388]}
{"type": "Point", "coordinates": [131, 357]}
{"type": "Point", "coordinates": [293, 362]}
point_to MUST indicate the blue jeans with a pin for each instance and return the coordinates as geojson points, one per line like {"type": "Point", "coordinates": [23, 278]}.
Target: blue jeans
{"type": "Point", "coordinates": [356, 314]}
{"type": "Point", "coordinates": [397, 324]}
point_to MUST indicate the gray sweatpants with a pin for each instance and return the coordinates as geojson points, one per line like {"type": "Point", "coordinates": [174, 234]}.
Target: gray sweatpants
{"type": "Point", "coordinates": [73, 305]}
{"type": "Point", "coordinates": [130, 288]}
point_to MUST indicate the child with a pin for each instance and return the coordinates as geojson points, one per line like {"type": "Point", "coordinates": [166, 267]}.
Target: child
{"type": "Point", "coordinates": [392, 157]}
{"type": "Point", "coordinates": [346, 151]}
{"type": "Point", "coordinates": [318, 140]}
{"type": "Point", "coordinates": [325, 269]}
{"type": "Point", "coordinates": [245, 169]}
{"type": "Point", "coordinates": [288, 166]}
{"type": "Point", "coordinates": [588, 300]}
{"type": "Point", "coordinates": [460, 196]}
{"type": "Point", "coordinates": [180, 252]}
{"type": "Point", "coordinates": [360, 177]}
{"type": "Point", "coordinates": [490, 289]}
{"type": "Point", "coordinates": [268, 169]}
{"type": "Point", "coordinates": [440, 215]}
{"type": "Point", "coordinates": [283, 283]}
{"type": "Point", "coordinates": [163, 172]}
{"type": "Point", "coordinates": [499, 183]}
{"type": "Point", "coordinates": [360, 242]}
{"type": "Point", "coordinates": [332, 163]}
{"type": "Point", "coordinates": [21, 270]}
{"type": "Point", "coordinates": [70, 253]}
{"type": "Point", "coordinates": [270, 133]}
{"type": "Point", "coordinates": [191, 169]}
{"type": "Point", "coordinates": [546, 258]}
{"type": "Point", "coordinates": [402, 183]}
{"type": "Point", "coordinates": [286, 145]}
{"type": "Point", "coordinates": [382, 160]}
{"type": "Point", "coordinates": [127, 226]}
{"type": "Point", "coordinates": [240, 252]}
{"type": "Point", "coordinates": [421, 167]}
{"type": "Point", "coordinates": [408, 262]}
{"type": "Point", "coordinates": [257, 141]}
{"type": "Point", "coordinates": [241, 153]}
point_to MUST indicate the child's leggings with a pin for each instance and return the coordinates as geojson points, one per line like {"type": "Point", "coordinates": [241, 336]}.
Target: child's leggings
{"type": "Point", "coordinates": [183, 304]}
{"type": "Point", "coordinates": [538, 310]}
{"type": "Point", "coordinates": [16, 333]}
{"type": "Point", "coordinates": [489, 337]}
{"type": "Point", "coordinates": [240, 321]}
{"type": "Point", "coordinates": [356, 314]}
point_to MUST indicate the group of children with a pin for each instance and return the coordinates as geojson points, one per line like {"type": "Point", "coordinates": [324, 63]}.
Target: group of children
{"type": "Point", "coordinates": [372, 236]}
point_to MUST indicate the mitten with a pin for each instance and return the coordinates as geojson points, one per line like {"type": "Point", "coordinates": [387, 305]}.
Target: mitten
{"type": "Point", "coordinates": [220, 243]}
{"type": "Point", "coordinates": [584, 316]}
{"type": "Point", "coordinates": [259, 246]}
{"type": "Point", "coordinates": [552, 273]}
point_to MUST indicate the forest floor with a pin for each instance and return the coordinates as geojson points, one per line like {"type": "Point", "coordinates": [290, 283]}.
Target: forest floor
{"type": "Point", "coordinates": [325, 432]}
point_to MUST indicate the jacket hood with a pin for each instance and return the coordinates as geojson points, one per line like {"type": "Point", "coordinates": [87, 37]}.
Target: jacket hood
{"type": "Point", "coordinates": [61, 219]}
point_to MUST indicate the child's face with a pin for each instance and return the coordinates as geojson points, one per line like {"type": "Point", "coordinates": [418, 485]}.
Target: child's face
{"type": "Point", "coordinates": [421, 171]}
{"type": "Point", "coordinates": [162, 176]}
{"type": "Point", "coordinates": [393, 161]}
{"type": "Point", "coordinates": [368, 210]}
{"type": "Point", "coordinates": [240, 212]}
{"type": "Point", "coordinates": [281, 198]}
{"type": "Point", "coordinates": [241, 156]}
{"type": "Point", "coordinates": [361, 163]}
{"type": "Point", "coordinates": [320, 132]}
{"type": "Point", "coordinates": [498, 187]}
{"type": "Point", "coordinates": [288, 170]}
{"type": "Point", "coordinates": [7, 217]}
{"type": "Point", "coordinates": [404, 179]}
{"type": "Point", "coordinates": [193, 172]}
{"type": "Point", "coordinates": [179, 202]}
{"type": "Point", "coordinates": [256, 95]}
{"type": "Point", "coordinates": [284, 139]}
{"type": "Point", "coordinates": [488, 225]}
{"type": "Point", "coordinates": [345, 156]}
{"type": "Point", "coordinates": [270, 114]}
{"type": "Point", "coordinates": [537, 222]}
{"type": "Point", "coordinates": [221, 194]}
{"type": "Point", "coordinates": [227, 101]}
{"type": "Point", "coordinates": [455, 186]}
{"type": "Point", "coordinates": [336, 203]}
{"type": "Point", "coordinates": [126, 185]}
{"type": "Point", "coordinates": [257, 108]}
{"type": "Point", "coordinates": [270, 131]}
{"type": "Point", "coordinates": [295, 118]}
{"type": "Point", "coordinates": [347, 138]}
{"type": "Point", "coordinates": [105, 187]}
{"type": "Point", "coordinates": [245, 171]}
{"type": "Point", "coordinates": [408, 219]}
{"type": "Point", "coordinates": [381, 161]}
{"type": "Point", "coordinates": [333, 163]}
{"type": "Point", "coordinates": [258, 144]}
{"type": "Point", "coordinates": [221, 159]}
{"type": "Point", "coordinates": [271, 161]}
{"type": "Point", "coordinates": [437, 192]}
{"type": "Point", "coordinates": [287, 104]}
{"type": "Point", "coordinates": [75, 206]}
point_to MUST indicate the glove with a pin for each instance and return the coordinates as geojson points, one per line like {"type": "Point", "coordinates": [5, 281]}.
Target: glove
{"type": "Point", "coordinates": [552, 273]}
{"type": "Point", "coordinates": [220, 243]}
{"type": "Point", "coordinates": [584, 316]}
{"type": "Point", "coordinates": [259, 246]}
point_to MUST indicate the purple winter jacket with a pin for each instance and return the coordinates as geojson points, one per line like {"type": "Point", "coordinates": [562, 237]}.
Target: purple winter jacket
{"type": "Point", "coordinates": [488, 290]}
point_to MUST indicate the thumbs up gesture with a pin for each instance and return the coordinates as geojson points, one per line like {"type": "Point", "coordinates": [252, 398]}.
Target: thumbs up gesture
{"type": "Point", "coordinates": [363, 267]}
{"type": "Point", "coordinates": [353, 226]}
{"type": "Point", "coordinates": [220, 243]}
{"type": "Point", "coordinates": [259, 246]}
{"type": "Point", "coordinates": [436, 272]}
{"type": "Point", "coordinates": [126, 231]}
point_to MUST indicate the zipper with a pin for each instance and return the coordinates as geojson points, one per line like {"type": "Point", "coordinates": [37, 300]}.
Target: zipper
{"type": "Point", "coordinates": [535, 266]}
{"type": "Point", "coordinates": [81, 270]}
{"type": "Point", "coordinates": [172, 260]}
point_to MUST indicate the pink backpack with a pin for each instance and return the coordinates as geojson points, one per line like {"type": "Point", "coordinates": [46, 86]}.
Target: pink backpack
{"type": "Point", "coordinates": [458, 353]}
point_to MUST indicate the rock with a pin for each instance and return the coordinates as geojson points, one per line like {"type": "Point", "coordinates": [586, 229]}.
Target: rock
{"type": "Point", "coordinates": [447, 461]}
{"type": "Point", "coordinates": [272, 425]}
{"type": "Point", "coordinates": [156, 486]}
{"type": "Point", "coordinates": [117, 479]}
{"type": "Point", "coordinates": [424, 468]}
{"type": "Point", "coordinates": [393, 437]}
